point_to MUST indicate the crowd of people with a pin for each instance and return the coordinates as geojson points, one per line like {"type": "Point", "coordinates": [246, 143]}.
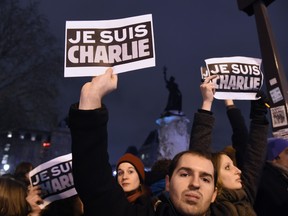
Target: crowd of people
{"type": "Point", "coordinates": [198, 181]}
{"type": "Point", "coordinates": [249, 177]}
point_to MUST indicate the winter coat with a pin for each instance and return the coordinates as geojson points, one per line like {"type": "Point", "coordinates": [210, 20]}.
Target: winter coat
{"type": "Point", "coordinates": [272, 197]}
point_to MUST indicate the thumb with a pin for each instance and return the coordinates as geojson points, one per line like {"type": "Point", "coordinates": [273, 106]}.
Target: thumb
{"type": "Point", "coordinates": [109, 71]}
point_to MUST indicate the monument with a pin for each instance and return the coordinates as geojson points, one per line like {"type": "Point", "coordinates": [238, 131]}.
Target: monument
{"type": "Point", "coordinates": [172, 132]}
{"type": "Point", "coordinates": [174, 103]}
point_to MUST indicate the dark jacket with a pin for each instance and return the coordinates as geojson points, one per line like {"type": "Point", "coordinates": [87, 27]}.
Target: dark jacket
{"type": "Point", "coordinates": [235, 202]}
{"type": "Point", "coordinates": [240, 134]}
{"type": "Point", "coordinates": [272, 197]}
{"type": "Point", "coordinates": [93, 179]}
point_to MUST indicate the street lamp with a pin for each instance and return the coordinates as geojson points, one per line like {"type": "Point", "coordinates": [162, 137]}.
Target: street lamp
{"type": "Point", "coordinates": [276, 82]}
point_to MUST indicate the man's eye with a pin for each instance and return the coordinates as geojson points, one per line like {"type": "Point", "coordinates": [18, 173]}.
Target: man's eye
{"type": "Point", "coordinates": [208, 180]}
{"type": "Point", "coordinates": [130, 171]}
{"type": "Point", "coordinates": [183, 174]}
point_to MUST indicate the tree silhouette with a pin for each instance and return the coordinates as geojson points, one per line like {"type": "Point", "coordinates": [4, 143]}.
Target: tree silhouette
{"type": "Point", "coordinates": [30, 65]}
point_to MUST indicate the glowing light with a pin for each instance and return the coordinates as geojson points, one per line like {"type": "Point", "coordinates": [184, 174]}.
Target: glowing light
{"type": "Point", "coordinates": [6, 167]}
{"type": "Point", "coordinates": [7, 147]}
{"type": "Point", "coordinates": [9, 135]}
{"type": "Point", "coordinates": [5, 159]}
{"type": "Point", "coordinates": [33, 137]}
{"type": "Point", "coordinates": [46, 144]}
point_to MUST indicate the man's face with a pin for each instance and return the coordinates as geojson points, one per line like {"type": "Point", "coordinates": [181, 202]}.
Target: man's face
{"type": "Point", "coordinates": [191, 186]}
{"type": "Point", "coordinates": [283, 158]}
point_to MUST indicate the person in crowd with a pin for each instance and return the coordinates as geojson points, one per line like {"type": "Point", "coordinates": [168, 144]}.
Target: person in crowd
{"type": "Point", "coordinates": [131, 177]}
{"type": "Point", "coordinates": [236, 188]}
{"type": "Point", "coordinates": [71, 206]}
{"type": "Point", "coordinates": [15, 200]}
{"type": "Point", "coordinates": [156, 177]}
{"type": "Point", "coordinates": [191, 179]}
{"type": "Point", "coordinates": [22, 170]}
{"type": "Point", "coordinates": [272, 197]}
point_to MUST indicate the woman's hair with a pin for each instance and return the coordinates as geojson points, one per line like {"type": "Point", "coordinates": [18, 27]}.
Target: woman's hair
{"type": "Point", "coordinates": [230, 152]}
{"type": "Point", "coordinates": [216, 159]}
{"type": "Point", "coordinates": [13, 198]}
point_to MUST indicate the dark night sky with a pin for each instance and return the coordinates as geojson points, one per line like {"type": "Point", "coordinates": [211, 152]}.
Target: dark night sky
{"type": "Point", "coordinates": [186, 33]}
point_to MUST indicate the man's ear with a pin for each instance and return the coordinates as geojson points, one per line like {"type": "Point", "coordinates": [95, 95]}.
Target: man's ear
{"type": "Point", "coordinates": [214, 194]}
{"type": "Point", "coordinates": [167, 183]}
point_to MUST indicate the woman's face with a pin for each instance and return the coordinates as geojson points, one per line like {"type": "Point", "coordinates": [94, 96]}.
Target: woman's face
{"type": "Point", "coordinates": [229, 175]}
{"type": "Point", "coordinates": [127, 177]}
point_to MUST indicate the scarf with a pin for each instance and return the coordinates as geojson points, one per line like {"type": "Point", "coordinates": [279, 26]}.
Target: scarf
{"type": "Point", "coordinates": [132, 196]}
{"type": "Point", "coordinates": [233, 203]}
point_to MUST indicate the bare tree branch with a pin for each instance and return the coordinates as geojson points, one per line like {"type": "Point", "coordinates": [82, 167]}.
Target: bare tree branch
{"type": "Point", "coordinates": [30, 67]}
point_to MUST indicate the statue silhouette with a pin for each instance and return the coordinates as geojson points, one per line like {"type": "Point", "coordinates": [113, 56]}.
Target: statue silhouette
{"type": "Point", "coordinates": [175, 97]}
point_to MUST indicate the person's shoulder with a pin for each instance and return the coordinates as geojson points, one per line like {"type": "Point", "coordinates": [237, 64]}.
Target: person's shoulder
{"type": "Point", "coordinates": [162, 205]}
{"type": "Point", "coordinates": [143, 205]}
{"type": "Point", "coordinates": [163, 197]}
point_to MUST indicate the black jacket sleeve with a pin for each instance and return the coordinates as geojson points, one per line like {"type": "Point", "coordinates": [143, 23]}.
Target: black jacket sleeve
{"type": "Point", "coordinates": [93, 179]}
{"type": "Point", "coordinates": [240, 133]}
{"type": "Point", "coordinates": [201, 133]}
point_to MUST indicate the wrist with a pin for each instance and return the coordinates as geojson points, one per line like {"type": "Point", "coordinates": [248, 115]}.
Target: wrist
{"type": "Point", "coordinates": [206, 105]}
{"type": "Point", "coordinates": [86, 104]}
{"type": "Point", "coordinates": [229, 102]}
